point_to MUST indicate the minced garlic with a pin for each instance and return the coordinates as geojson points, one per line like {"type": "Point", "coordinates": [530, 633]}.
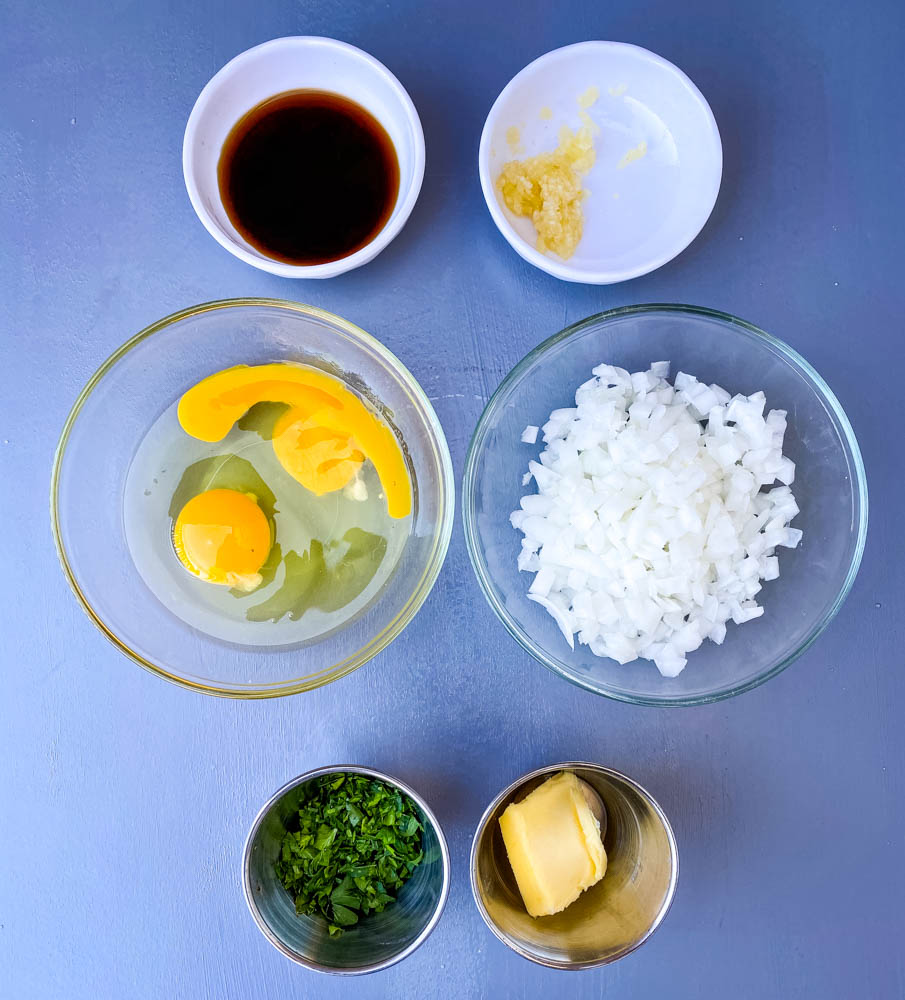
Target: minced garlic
{"type": "Point", "coordinates": [589, 97]}
{"type": "Point", "coordinates": [548, 188]}
{"type": "Point", "coordinates": [633, 154]}
{"type": "Point", "coordinates": [514, 138]}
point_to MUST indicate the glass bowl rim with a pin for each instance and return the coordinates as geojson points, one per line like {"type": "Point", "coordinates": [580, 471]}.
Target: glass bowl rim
{"type": "Point", "coordinates": [304, 779]}
{"type": "Point", "coordinates": [441, 536]}
{"type": "Point", "coordinates": [469, 483]}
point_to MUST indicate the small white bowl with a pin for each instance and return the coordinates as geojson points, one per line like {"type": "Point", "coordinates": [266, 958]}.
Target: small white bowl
{"type": "Point", "coordinates": [641, 211]}
{"type": "Point", "coordinates": [296, 63]}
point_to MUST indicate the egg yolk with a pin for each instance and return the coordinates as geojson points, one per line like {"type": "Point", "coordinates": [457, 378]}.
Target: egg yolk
{"type": "Point", "coordinates": [223, 536]}
{"type": "Point", "coordinates": [331, 425]}
{"type": "Point", "coordinates": [322, 460]}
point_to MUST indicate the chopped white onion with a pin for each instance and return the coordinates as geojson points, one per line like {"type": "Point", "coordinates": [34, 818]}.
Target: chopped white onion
{"type": "Point", "coordinates": [655, 518]}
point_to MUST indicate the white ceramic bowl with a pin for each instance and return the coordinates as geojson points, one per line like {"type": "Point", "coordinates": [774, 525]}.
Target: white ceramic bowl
{"type": "Point", "coordinates": [641, 211]}
{"type": "Point", "coordinates": [295, 63]}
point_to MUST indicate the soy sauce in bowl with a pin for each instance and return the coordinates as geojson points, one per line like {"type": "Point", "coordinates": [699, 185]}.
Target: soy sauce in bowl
{"type": "Point", "coordinates": [308, 177]}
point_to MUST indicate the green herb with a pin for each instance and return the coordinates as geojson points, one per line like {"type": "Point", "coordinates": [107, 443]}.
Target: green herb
{"type": "Point", "coordinates": [358, 841]}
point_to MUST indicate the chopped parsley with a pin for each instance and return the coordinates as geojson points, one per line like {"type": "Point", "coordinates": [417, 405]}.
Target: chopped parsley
{"type": "Point", "coordinates": [358, 841]}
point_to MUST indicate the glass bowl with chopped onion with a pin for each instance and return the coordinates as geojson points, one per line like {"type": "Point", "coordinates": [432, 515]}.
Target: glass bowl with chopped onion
{"type": "Point", "coordinates": [664, 504]}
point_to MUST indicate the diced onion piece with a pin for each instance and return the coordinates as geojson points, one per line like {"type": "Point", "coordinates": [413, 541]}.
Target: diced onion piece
{"type": "Point", "coordinates": [656, 516]}
{"type": "Point", "coordinates": [559, 616]}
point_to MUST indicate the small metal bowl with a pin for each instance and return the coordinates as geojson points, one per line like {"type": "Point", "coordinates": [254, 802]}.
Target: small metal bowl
{"type": "Point", "coordinates": [377, 942]}
{"type": "Point", "coordinates": [608, 920]}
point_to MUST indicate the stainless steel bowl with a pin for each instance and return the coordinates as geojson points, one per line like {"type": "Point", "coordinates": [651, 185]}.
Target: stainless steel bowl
{"type": "Point", "coordinates": [377, 942]}
{"type": "Point", "coordinates": [608, 920]}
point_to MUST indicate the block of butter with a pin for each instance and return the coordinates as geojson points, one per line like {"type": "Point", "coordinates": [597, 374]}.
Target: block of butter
{"type": "Point", "coordinates": [554, 846]}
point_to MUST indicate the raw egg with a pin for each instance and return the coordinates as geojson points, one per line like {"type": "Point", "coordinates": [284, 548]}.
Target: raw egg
{"type": "Point", "coordinates": [322, 460]}
{"type": "Point", "coordinates": [223, 536]}
{"type": "Point", "coordinates": [209, 409]}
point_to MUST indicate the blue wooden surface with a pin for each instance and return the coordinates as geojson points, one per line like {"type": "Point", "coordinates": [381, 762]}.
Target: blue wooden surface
{"type": "Point", "coordinates": [124, 801]}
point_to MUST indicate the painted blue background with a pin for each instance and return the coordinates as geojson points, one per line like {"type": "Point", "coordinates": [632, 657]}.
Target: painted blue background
{"type": "Point", "coordinates": [124, 801]}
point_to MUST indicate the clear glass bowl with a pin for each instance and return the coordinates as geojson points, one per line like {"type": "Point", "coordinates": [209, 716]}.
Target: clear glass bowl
{"type": "Point", "coordinates": [112, 415]}
{"type": "Point", "coordinates": [830, 487]}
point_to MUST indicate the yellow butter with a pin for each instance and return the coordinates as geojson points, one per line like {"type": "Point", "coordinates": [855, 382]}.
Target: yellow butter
{"type": "Point", "coordinates": [554, 846]}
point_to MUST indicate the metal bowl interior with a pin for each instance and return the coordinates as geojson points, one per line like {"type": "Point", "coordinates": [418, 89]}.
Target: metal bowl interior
{"type": "Point", "coordinates": [375, 943]}
{"type": "Point", "coordinates": [610, 919]}
{"type": "Point", "coordinates": [830, 487]}
{"type": "Point", "coordinates": [111, 417]}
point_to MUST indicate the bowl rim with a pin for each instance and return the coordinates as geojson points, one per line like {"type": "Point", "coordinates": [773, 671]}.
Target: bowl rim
{"type": "Point", "coordinates": [469, 519]}
{"type": "Point", "coordinates": [405, 203]}
{"type": "Point", "coordinates": [277, 942]}
{"type": "Point", "coordinates": [553, 265]}
{"type": "Point", "coordinates": [510, 790]}
{"type": "Point", "coordinates": [423, 587]}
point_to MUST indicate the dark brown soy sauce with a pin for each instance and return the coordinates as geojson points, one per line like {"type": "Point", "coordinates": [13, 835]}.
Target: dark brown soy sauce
{"type": "Point", "coordinates": [308, 177]}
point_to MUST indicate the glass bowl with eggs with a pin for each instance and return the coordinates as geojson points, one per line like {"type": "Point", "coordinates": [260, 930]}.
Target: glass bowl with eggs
{"type": "Point", "coordinates": [664, 504]}
{"type": "Point", "coordinates": [252, 498]}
